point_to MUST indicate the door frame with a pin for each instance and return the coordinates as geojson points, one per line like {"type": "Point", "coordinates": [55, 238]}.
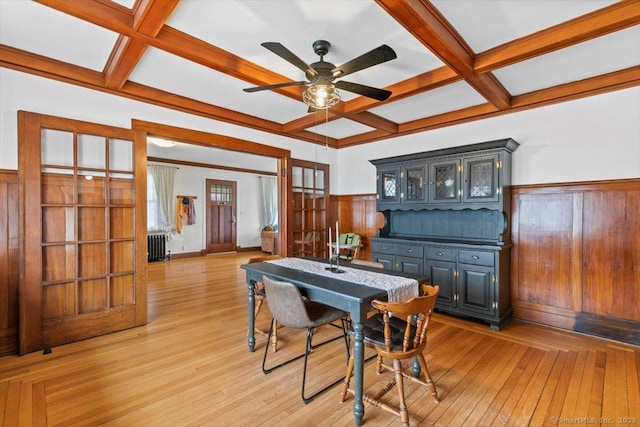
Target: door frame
{"type": "Point", "coordinates": [206, 139]}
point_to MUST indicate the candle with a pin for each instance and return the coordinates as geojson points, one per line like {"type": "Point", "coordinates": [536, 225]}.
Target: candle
{"type": "Point", "coordinates": [330, 250]}
{"type": "Point", "coordinates": [337, 240]}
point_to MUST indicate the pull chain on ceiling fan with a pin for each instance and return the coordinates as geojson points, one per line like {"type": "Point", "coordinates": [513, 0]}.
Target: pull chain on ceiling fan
{"type": "Point", "coordinates": [322, 92]}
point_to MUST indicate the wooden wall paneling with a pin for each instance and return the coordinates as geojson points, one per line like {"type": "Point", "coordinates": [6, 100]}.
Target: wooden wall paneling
{"type": "Point", "coordinates": [8, 262]}
{"type": "Point", "coordinates": [359, 215]}
{"type": "Point", "coordinates": [544, 251]}
{"type": "Point", "coordinates": [612, 253]}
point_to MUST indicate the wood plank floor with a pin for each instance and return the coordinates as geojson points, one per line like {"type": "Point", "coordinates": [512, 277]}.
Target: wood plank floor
{"type": "Point", "coordinates": [190, 366]}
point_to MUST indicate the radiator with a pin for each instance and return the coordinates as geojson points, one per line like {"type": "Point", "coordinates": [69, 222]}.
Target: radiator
{"type": "Point", "coordinates": [156, 246]}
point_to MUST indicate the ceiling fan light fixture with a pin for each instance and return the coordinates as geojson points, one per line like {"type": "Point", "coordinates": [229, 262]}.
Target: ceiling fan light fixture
{"type": "Point", "coordinates": [321, 95]}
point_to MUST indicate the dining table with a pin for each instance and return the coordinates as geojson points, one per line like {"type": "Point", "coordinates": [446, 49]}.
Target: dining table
{"type": "Point", "coordinates": [350, 288]}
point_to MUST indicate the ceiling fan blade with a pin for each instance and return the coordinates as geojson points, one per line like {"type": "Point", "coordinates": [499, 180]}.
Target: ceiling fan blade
{"type": "Point", "coordinates": [374, 57]}
{"type": "Point", "coordinates": [368, 91]}
{"type": "Point", "coordinates": [289, 56]}
{"type": "Point", "coordinates": [276, 86]}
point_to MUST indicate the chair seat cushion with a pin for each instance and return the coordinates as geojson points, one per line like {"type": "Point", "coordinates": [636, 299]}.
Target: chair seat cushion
{"type": "Point", "coordinates": [374, 331]}
{"type": "Point", "coordinates": [321, 314]}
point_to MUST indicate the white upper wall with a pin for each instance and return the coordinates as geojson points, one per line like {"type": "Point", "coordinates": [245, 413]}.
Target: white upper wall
{"type": "Point", "coordinates": [595, 138]}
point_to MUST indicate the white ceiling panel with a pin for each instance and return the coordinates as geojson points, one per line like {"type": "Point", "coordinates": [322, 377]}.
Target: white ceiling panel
{"type": "Point", "coordinates": [34, 28]}
{"type": "Point", "coordinates": [484, 24]}
{"type": "Point", "coordinates": [442, 100]}
{"type": "Point", "coordinates": [174, 74]}
{"type": "Point", "coordinates": [598, 56]}
{"type": "Point", "coordinates": [340, 128]}
{"type": "Point", "coordinates": [352, 28]}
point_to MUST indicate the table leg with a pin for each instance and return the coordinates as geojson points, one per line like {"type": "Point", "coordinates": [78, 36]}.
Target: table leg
{"type": "Point", "coordinates": [251, 305]}
{"type": "Point", "coordinates": [358, 368]}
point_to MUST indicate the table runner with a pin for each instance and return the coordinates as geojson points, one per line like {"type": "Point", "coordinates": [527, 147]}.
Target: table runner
{"type": "Point", "coordinates": [398, 288]}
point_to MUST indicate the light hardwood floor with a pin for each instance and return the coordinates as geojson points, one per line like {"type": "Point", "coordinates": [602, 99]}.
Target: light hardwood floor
{"type": "Point", "coordinates": [190, 366]}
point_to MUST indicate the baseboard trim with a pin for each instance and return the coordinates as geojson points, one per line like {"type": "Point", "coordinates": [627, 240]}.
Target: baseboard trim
{"type": "Point", "coordinates": [608, 327]}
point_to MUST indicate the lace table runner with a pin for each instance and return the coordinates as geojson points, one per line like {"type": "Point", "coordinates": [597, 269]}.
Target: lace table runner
{"type": "Point", "coordinates": [398, 288]}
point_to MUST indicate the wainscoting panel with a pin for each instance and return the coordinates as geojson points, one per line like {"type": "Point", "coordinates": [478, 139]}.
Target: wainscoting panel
{"type": "Point", "coordinates": [575, 257]}
{"type": "Point", "coordinates": [8, 262]}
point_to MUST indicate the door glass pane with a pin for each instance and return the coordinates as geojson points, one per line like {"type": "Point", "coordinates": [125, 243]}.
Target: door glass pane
{"type": "Point", "coordinates": [56, 147]}
{"type": "Point", "coordinates": [122, 290]}
{"type": "Point", "coordinates": [57, 225]}
{"type": "Point", "coordinates": [92, 295]}
{"type": "Point", "coordinates": [58, 262]}
{"type": "Point", "coordinates": [309, 175]}
{"type": "Point", "coordinates": [122, 223]}
{"type": "Point", "coordinates": [91, 151]}
{"type": "Point", "coordinates": [91, 188]}
{"type": "Point", "coordinates": [121, 257]}
{"type": "Point", "coordinates": [58, 301]}
{"type": "Point", "coordinates": [57, 186]}
{"type": "Point", "coordinates": [91, 224]}
{"type": "Point", "coordinates": [92, 259]}
{"type": "Point", "coordinates": [414, 184]}
{"type": "Point", "coordinates": [120, 154]}
{"type": "Point", "coordinates": [121, 189]}
{"type": "Point", "coordinates": [296, 176]}
{"type": "Point", "coordinates": [446, 181]}
{"type": "Point", "coordinates": [481, 178]}
{"type": "Point", "coordinates": [320, 179]}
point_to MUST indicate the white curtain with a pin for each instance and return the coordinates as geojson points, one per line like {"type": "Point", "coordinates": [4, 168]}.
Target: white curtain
{"type": "Point", "coordinates": [163, 179]}
{"type": "Point", "coordinates": [268, 199]}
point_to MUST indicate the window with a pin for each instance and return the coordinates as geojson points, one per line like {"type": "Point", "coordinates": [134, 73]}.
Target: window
{"type": "Point", "coordinates": [154, 212]}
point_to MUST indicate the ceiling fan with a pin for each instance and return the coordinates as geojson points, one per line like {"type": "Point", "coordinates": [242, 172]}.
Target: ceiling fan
{"type": "Point", "coordinates": [322, 93]}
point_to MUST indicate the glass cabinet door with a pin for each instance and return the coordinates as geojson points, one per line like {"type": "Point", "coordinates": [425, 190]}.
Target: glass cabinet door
{"type": "Point", "coordinates": [444, 181]}
{"type": "Point", "coordinates": [413, 180]}
{"type": "Point", "coordinates": [388, 185]}
{"type": "Point", "coordinates": [481, 179]}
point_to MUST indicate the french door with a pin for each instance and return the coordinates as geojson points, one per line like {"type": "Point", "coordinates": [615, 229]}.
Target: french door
{"type": "Point", "coordinates": [309, 208]}
{"type": "Point", "coordinates": [82, 231]}
{"type": "Point", "coordinates": [221, 216]}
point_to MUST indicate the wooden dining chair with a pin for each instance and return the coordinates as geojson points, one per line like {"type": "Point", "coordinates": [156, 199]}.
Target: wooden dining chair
{"type": "Point", "coordinates": [398, 336]}
{"type": "Point", "coordinates": [291, 310]}
{"type": "Point", "coordinates": [260, 298]}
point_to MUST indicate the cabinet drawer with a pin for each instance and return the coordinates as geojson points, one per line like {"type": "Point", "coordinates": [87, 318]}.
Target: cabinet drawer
{"type": "Point", "coordinates": [413, 251]}
{"type": "Point", "coordinates": [475, 257]}
{"type": "Point", "coordinates": [440, 253]}
{"type": "Point", "coordinates": [384, 248]}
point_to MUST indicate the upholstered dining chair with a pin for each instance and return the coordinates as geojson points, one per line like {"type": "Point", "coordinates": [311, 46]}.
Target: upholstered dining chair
{"type": "Point", "coordinates": [291, 310]}
{"type": "Point", "coordinates": [260, 298]}
{"type": "Point", "coordinates": [398, 336]}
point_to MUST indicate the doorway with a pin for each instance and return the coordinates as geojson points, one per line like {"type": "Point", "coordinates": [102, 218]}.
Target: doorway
{"type": "Point", "coordinates": [221, 216]}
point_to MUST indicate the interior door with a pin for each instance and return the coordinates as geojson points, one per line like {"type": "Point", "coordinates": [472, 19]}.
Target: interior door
{"type": "Point", "coordinates": [221, 216]}
{"type": "Point", "coordinates": [82, 231]}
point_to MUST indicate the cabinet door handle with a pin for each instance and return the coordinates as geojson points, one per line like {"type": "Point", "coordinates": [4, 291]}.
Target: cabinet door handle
{"type": "Point", "coordinates": [439, 253]}
{"type": "Point", "coordinates": [409, 250]}
{"type": "Point", "coordinates": [475, 257]}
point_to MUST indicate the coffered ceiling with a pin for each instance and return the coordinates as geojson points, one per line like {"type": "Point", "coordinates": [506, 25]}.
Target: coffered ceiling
{"type": "Point", "coordinates": [457, 60]}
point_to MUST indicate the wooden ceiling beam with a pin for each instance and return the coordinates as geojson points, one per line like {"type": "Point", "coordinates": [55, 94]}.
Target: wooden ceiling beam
{"type": "Point", "coordinates": [111, 16]}
{"type": "Point", "coordinates": [428, 26]}
{"type": "Point", "coordinates": [612, 18]}
{"type": "Point", "coordinates": [149, 17]}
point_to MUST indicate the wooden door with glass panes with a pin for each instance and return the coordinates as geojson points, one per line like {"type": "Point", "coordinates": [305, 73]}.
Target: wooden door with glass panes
{"type": "Point", "coordinates": [309, 209]}
{"type": "Point", "coordinates": [221, 216]}
{"type": "Point", "coordinates": [83, 239]}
